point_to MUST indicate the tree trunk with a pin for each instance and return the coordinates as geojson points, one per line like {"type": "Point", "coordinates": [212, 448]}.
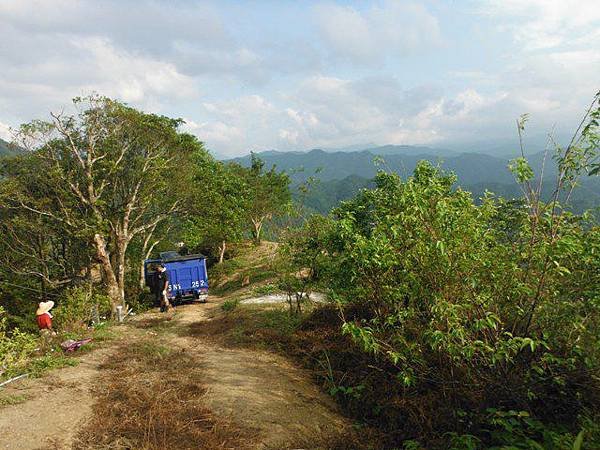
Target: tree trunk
{"type": "Point", "coordinates": [44, 269]}
{"type": "Point", "coordinates": [121, 251]}
{"type": "Point", "coordinates": [257, 229]}
{"type": "Point", "coordinates": [222, 252]}
{"type": "Point", "coordinates": [142, 279]}
{"type": "Point", "coordinates": [148, 252]}
{"type": "Point", "coordinates": [112, 285]}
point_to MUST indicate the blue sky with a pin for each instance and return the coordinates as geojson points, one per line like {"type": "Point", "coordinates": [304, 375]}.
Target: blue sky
{"type": "Point", "coordinates": [289, 75]}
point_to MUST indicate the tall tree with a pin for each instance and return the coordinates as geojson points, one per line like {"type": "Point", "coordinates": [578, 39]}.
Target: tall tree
{"type": "Point", "coordinates": [217, 207]}
{"type": "Point", "coordinates": [269, 194]}
{"type": "Point", "coordinates": [106, 176]}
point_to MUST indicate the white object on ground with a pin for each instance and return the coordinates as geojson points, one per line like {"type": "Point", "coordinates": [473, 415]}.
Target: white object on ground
{"type": "Point", "coordinates": [14, 379]}
{"type": "Point", "coordinates": [281, 298]}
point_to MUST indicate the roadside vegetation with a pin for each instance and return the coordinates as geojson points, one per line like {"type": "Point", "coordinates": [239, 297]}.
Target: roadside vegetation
{"type": "Point", "coordinates": [88, 196]}
{"type": "Point", "coordinates": [450, 321]}
{"type": "Point", "coordinates": [453, 323]}
{"type": "Point", "coordinates": [82, 314]}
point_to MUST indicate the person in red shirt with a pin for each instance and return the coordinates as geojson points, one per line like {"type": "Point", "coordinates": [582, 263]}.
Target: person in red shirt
{"type": "Point", "coordinates": [43, 316]}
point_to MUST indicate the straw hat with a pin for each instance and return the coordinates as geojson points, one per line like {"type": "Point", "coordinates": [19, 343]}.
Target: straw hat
{"type": "Point", "coordinates": [44, 307]}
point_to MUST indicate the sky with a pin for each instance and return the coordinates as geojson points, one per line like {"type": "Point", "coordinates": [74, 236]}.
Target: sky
{"type": "Point", "coordinates": [290, 75]}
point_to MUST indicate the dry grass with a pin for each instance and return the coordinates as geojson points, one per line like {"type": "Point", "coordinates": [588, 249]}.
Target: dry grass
{"type": "Point", "coordinates": [151, 397]}
{"type": "Point", "coordinates": [305, 339]}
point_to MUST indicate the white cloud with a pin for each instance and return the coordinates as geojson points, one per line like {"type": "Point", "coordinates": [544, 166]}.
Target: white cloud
{"type": "Point", "coordinates": [331, 112]}
{"type": "Point", "coordinates": [218, 134]}
{"type": "Point", "coordinates": [547, 24]}
{"type": "Point", "coordinates": [91, 65]}
{"type": "Point", "coordinates": [364, 37]}
{"type": "Point", "coordinates": [131, 77]}
{"type": "Point", "coordinates": [5, 132]}
{"type": "Point", "coordinates": [331, 78]}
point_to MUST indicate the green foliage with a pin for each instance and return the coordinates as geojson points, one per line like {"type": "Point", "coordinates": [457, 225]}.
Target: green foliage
{"type": "Point", "coordinates": [424, 255]}
{"type": "Point", "coordinates": [266, 289]}
{"type": "Point", "coordinates": [16, 349]}
{"type": "Point", "coordinates": [230, 304]}
{"type": "Point", "coordinates": [80, 307]}
{"type": "Point", "coordinates": [279, 321]}
{"type": "Point", "coordinates": [103, 332]}
{"type": "Point", "coordinates": [50, 361]}
{"type": "Point", "coordinates": [268, 193]}
{"type": "Point", "coordinates": [483, 295]}
{"type": "Point", "coordinates": [218, 204]}
{"type": "Point", "coordinates": [521, 169]}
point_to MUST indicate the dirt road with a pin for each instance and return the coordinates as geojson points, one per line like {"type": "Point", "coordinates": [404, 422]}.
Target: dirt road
{"type": "Point", "coordinates": [276, 403]}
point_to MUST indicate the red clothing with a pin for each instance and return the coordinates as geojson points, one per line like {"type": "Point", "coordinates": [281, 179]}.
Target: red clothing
{"type": "Point", "coordinates": [44, 321]}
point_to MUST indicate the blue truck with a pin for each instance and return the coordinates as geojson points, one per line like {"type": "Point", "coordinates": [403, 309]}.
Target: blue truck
{"type": "Point", "coordinates": [187, 275]}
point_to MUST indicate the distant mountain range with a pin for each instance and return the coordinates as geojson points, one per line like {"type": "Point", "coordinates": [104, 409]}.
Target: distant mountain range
{"type": "Point", "coordinates": [470, 168]}
{"type": "Point", "coordinates": [342, 173]}
{"type": "Point", "coordinates": [6, 148]}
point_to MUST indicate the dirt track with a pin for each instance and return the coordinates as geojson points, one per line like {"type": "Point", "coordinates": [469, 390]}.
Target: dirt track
{"type": "Point", "coordinates": [255, 389]}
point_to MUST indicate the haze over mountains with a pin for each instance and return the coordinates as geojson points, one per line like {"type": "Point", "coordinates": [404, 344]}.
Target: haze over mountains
{"type": "Point", "coordinates": [9, 149]}
{"type": "Point", "coordinates": [470, 168]}
{"type": "Point", "coordinates": [4, 148]}
{"type": "Point", "coordinates": [342, 173]}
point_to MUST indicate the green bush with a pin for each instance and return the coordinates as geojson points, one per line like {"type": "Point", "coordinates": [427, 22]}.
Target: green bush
{"type": "Point", "coordinates": [16, 349]}
{"type": "Point", "coordinates": [477, 305]}
{"type": "Point", "coordinates": [79, 308]}
{"type": "Point", "coordinates": [230, 304]}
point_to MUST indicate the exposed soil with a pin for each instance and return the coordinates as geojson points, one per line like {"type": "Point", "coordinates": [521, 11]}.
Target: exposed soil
{"type": "Point", "coordinates": [246, 398]}
{"type": "Point", "coordinates": [55, 406]}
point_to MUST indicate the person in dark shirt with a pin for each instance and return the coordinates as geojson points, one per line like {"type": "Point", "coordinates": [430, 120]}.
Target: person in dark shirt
{"type": "Point", "coordinates": [161, 283]}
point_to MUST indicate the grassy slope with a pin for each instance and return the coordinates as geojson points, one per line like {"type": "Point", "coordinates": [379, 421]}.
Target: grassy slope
{"type": "Point", "coordinates": [251, 266]}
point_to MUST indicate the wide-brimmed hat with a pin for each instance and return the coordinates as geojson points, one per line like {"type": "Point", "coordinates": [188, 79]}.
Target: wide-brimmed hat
{"type": "Point", "coordinates": [44, 307]}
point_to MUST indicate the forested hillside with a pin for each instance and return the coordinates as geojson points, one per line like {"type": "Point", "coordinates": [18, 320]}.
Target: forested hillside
{"type": "Point", "coordinates": [340, 175]}
{"type": "Point", "coordinates": [469, 167]}
{"type": "Point", "coordinates": [325, 195]}
{"type": "Point", "coordinates": [5, 148]}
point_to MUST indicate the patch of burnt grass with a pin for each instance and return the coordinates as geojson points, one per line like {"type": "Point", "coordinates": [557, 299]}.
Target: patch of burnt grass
{"type": "Point", "coordinates": [150, 397]}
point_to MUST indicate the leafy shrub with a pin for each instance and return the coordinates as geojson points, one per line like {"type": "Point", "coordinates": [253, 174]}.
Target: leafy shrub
{"type": "Point", "coordinates": [470, 306]}
{"type": "Point", "coordinates": [80, 307]}
{"type": "Point", "coordinates": [16, 349]}
{"type": "Point", "coordinates": [230, 304]}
